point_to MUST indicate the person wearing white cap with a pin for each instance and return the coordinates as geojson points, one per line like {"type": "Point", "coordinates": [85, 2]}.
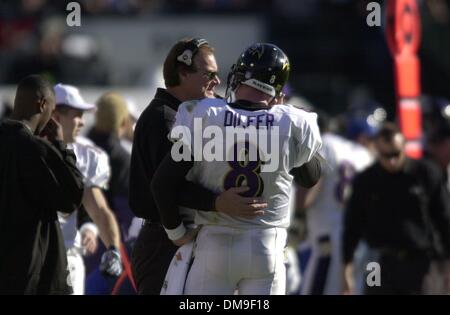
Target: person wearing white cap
{"type": "Point", "coordinates": [94, 165]}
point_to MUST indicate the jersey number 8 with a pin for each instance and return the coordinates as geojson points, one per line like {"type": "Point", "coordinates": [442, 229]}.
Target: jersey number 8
{"type": "Point", "coordinates": [245, 172]}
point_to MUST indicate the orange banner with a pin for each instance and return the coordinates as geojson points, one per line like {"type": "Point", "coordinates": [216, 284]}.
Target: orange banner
{"type": "Point", "coordinates": [403, 37]}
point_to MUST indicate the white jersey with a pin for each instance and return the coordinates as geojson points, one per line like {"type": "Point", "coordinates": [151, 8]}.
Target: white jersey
{"type": "Point", "coordinates": [281, 137]}
{"type": "Point", "coordinates": [85, 141]}
{"type": "Point", "coordinates": [345, 158]}
{"type": "Point", "coordinates": [93, 163]}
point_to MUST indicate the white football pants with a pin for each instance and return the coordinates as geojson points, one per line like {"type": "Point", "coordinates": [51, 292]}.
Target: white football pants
{"type": "Point", "coordinates": [324, 269]}
{"type": "Point", "coordinates": [248, 261]}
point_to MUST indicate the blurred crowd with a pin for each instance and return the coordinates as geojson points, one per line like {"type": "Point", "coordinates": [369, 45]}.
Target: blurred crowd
{"type": "Point", "coordinates": [333, 51]}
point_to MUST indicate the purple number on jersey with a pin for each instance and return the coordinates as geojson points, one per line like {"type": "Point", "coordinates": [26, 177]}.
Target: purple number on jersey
{"type": "Point", "coordinates": [346, 172]}
{"type": "Point", "coordinates": [245, 171]}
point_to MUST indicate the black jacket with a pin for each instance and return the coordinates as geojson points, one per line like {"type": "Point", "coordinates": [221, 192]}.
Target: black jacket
{"type": "Point", "coordinates": [150, 146]}
{"type": "Point", "coordinates": [37, 180]}
{"type": "Point", "coordinates": [407, 210]}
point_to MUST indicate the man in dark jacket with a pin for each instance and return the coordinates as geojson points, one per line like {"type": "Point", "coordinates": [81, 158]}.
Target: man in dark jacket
{"type": "Point", "coordinates": [39, 178]}
{"type": "Point", "coordinates": [399, 206]}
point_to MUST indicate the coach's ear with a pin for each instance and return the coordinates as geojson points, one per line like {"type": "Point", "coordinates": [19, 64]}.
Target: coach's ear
{"type": "Point", "coordinates": [183, 75]}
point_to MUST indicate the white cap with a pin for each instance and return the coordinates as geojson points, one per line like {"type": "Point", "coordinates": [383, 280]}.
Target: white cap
{"type": "Point", "coordinates": [69, 95]}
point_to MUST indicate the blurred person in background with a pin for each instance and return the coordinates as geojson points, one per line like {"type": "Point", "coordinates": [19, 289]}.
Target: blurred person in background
{"type": "Point", "coordinates": [436, 124]}
{"type": "Point", "coordinates": [112, 122]}
{"type": "Point", "coordinates": [94, 165]}
{"type": "Point", "coordinates": [127, 143]}
{"type": "Point", "coordinates": [19, 21]}
{"type": "Point", "coordinates": [75, 58]}
{"type": "Point", "coordinates": [399, 206]}
{"type": "Point", "coordinates": [363, 119]}
{"type": "Point", "coordinates": [46, 59]}
{"type": "Point", "coordinates": [82, 60]}
{"type": "Point", "coordinates": [321, 256]}
{"type": "Point", "coordinates": [127, 139]}
{"type": "Point", "coordinates": [438, 152]}
{"type": "Point", "coordinates": [361, 124]}
{"type": "Point", "coordinates": [438, 148]}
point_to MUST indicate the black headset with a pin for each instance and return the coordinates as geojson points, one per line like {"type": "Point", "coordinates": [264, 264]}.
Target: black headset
{"type": "Point", "coordinates": [191, 48]}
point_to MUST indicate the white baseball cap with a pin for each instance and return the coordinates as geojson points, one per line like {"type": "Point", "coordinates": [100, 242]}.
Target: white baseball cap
{"type": "Point", "coordinates": [69, 95]}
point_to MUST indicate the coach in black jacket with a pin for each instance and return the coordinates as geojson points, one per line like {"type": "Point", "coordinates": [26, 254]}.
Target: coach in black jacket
{"type": "Point", "coordinates": [39, 178]}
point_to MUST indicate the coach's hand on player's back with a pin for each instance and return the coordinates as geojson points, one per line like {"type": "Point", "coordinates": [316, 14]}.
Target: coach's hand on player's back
{"type": "Point", "coordinates": [189, 236]}
{"type": "Point", "coordinates": [232, 203]}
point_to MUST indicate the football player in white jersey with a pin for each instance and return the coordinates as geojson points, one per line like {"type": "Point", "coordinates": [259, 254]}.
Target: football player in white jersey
{"type": "Point", "coordinates": [255, 142]}
{"type": "Point", "coordinates": [94, 165]}
{"type": "Point", "coordinates": [320, 255]}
